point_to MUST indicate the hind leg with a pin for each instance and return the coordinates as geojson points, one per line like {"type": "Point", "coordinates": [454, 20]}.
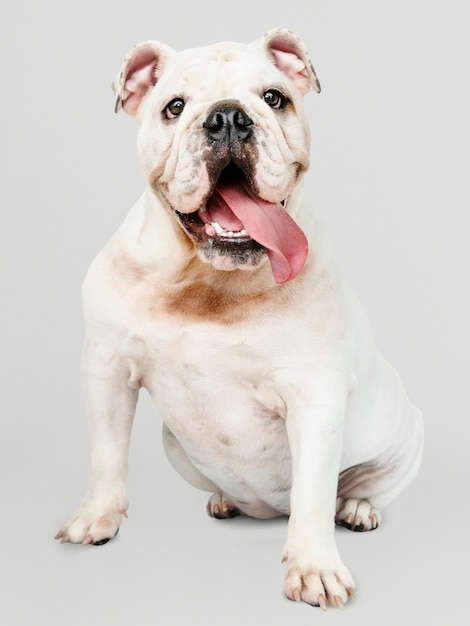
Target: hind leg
{"type": "Point", "coordinates": [219, 506]}
{"type": "Point", "coordinates": [180, 461]}
{"type": "Point", "coordinates": [364, 489]}
{"type": "Point", "coordinates": [356, 508]}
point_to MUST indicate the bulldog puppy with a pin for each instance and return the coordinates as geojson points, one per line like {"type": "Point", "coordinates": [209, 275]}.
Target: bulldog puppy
{"type": "Point", "coordinates": [219, 295]}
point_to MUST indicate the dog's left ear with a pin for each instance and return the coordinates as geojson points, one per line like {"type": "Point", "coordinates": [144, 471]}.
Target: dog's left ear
{"type": "Point", "coordinates": [139, 72]}
{"type": "Point", "coordinates": [290, 55]}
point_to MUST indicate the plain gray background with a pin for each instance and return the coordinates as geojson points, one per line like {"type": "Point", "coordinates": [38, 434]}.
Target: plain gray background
{"type": "Point", "coordinates": [390, 177]}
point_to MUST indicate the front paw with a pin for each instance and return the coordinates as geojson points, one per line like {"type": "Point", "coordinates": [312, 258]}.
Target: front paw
{"type": "Point", "coordinates": [92, 524]}
{"type": "Point", "coordinates": [320, 582]}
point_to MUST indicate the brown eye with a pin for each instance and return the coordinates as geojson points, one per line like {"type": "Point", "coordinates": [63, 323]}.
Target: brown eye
{"type": "Point", "coordinates": [275, 99]}
{"type": "Point", "coordinates": [174, 108]}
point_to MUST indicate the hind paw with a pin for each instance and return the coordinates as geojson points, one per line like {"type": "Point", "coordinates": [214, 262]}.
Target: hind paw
{"type": "Point", "coordinates": [357, 515]}
{"type": "Point", "coordinates": [220, 507]}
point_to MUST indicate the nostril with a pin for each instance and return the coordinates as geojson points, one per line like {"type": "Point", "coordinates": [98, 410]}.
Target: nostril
{"type": "Point", "coordinates": [214, 121]}
{"type": "Point", "coordinates": [241, 119]}
{"type": "Point", "coordinates": [228, 123]}
{"type": "Point", "coordinates": [242, 124]}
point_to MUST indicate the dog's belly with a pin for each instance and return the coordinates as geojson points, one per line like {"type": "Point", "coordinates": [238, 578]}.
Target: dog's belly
{"type": "Point", "coordinates": [230, 423]}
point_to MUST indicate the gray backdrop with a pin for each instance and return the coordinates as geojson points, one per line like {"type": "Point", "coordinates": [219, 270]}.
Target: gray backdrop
{"type": "Point", "coordinates": [390, 178]}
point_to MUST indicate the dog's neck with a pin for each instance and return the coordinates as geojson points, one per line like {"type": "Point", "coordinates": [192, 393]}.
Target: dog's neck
{"type": "Point", "coordinates": [166, 267]}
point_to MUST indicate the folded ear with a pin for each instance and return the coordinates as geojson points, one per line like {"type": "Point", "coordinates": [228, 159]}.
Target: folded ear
{"type": "Point", "coordinates": [140, 70]}
{"type": "Point", "coordinates": [290, 55]}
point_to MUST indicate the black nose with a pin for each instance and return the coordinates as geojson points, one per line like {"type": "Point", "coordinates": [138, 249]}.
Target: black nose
{"type": "Point", "coordinates": [228, 124]}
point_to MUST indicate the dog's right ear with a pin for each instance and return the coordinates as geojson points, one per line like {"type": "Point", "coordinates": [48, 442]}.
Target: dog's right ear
{"type": "Point", "coordinates": [140, 70]}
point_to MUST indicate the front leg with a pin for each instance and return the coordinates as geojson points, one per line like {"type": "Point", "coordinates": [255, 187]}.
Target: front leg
{"type": "Point", "coordinates": [111, 399]}
{"type": "Point", "coordinates": [315, 572]}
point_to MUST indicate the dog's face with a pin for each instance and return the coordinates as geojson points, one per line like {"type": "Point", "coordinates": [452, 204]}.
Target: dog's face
{"type": "Point", "coordinates": [223, 142]}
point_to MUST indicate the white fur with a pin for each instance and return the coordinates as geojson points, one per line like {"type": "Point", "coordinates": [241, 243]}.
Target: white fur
{"type": "Point", "coordinates": [265, 409]}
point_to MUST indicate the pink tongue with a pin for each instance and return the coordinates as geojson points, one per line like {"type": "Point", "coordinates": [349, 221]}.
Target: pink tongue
{"type": "Point", "coordinates": [266, 223]}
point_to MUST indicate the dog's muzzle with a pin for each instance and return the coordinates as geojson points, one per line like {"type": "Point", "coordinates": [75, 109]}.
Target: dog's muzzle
{"type": "Point", "coordinates": [234, 221]}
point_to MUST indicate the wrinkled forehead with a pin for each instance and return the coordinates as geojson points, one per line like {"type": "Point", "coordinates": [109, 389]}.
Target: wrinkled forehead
{"type": "Point", "coordinates": [221, 68]}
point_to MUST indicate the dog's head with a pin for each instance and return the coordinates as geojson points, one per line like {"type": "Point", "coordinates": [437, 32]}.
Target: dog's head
{"type": "Point", "coordinates": [224, 142]}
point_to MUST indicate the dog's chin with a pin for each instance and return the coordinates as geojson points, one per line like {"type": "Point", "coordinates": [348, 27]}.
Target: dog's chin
{"type": "Point", "coordinates": [226, 250]}
{"type": "Point", "coordinates": [231, 254]}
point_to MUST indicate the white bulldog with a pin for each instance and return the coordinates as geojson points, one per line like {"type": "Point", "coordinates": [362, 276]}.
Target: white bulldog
{"type": "Point", "coordinates": [218, 294]}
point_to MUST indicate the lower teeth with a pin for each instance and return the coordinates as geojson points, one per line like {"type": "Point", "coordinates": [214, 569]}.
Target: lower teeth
{"type": "Point", "coordinates": [221, 232]}
{"type": "Point", "coordinates": [240, 233]}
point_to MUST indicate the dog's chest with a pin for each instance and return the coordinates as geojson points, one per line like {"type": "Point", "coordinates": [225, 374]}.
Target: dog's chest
{"type": "Point", "coordinates": [217, 394]}
{"type": "Point", "coordinates": [204, 379]}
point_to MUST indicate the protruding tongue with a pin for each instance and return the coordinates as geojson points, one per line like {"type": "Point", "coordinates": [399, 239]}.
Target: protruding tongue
{"type": "Point", "coordinates": [266, 223]}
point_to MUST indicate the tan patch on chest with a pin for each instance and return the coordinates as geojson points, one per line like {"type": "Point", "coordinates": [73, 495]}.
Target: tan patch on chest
{"type": "Point", "coordinates": [198, 292]}
{"type": "Point", "coordinates": [206, 294]}
{"type": "Point", "coordinates": [200, 300]}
